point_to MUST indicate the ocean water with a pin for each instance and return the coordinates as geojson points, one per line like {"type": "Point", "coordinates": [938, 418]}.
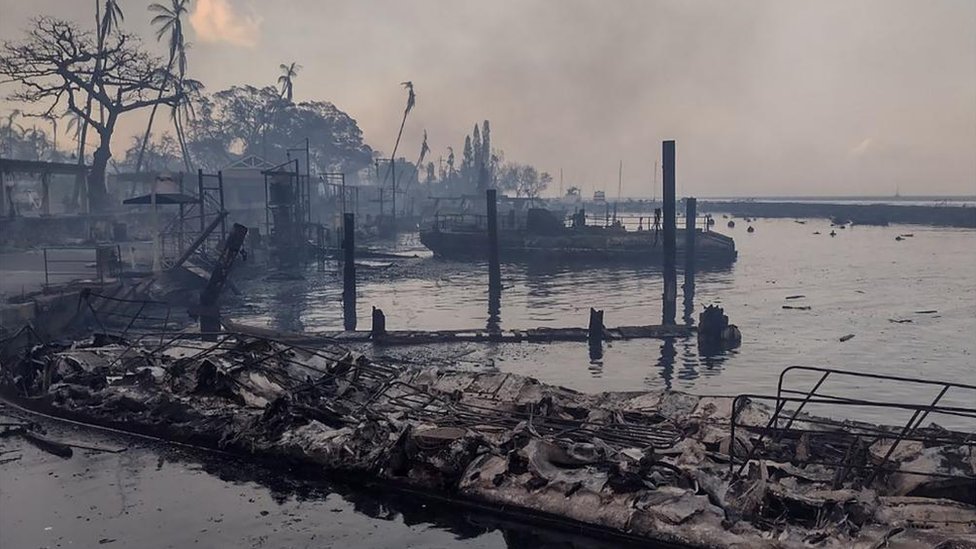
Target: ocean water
{"type": "Point", "coordinates": [910, 305]}
{"type": "Point", "coordinates": [858, 282]}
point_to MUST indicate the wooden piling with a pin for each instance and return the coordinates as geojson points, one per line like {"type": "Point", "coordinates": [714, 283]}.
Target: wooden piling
{"type": "Point", "coordinates": [349, 271]}
{"type": "Point", "coordinates": [494, 267]}
{"type": "Point", "coordinates": [595, 330]}
{"type": "Point", "coordinates": [379, 323]}
{"type": "Point", "coordinates": [670, 244]}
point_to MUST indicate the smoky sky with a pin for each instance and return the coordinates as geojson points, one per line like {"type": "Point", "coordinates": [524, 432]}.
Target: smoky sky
{"type": "Point", "coordinates": [763, 97]}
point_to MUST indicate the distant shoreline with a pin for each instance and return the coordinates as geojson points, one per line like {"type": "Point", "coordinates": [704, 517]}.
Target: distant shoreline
{"type": "Point", "coordinates": [942, 213]}
{"type": "Point", "coordinates": [859, 214]}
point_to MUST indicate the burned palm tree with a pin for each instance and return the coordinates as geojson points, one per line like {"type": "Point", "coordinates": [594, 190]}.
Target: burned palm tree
{"type": "Point", "coordinates": [169, 19]}
{"type": "Point", "coordinates": [188, 91]}
{"type": "Point", "coordinates": [287, 79]}
{"type": "Point", "coordinates": [411, 101]}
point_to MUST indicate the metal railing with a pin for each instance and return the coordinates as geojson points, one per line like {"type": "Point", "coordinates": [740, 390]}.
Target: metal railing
{"type": "Point", "coordinates": [105, 262]}
{"type": "Point", "coordinates": [839, 441]}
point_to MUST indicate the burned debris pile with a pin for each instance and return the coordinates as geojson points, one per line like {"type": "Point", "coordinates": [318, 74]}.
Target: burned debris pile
{"type": "Point", "coordinates": [669, 467]}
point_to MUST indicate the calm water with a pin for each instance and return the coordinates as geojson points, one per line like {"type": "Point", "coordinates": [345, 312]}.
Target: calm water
{"type": "Point", "coordinates": [857, 282]}
{"type": "Point", "coordinates": [854, 283]}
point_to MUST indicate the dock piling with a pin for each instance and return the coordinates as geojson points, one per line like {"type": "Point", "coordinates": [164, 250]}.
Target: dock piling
{"type": "Point", "coordinates": [379, 323]}
{"type": "Point", "coordinates": [670, 244]}
{"type": "Point", "coordinates": [494, 268]}
{"type": "Point", "coordinates": [349, 271]}
{"type": "Point", "coordinates": [595, 331]}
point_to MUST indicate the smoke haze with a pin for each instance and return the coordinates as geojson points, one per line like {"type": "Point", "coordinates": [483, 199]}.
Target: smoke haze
{"type": "Point", "coordinates": [763, 97]}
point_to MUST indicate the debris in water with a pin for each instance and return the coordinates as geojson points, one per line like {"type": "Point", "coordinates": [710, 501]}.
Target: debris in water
{"type": "Point", "coordinates": [847, 337]}
{"type": "Point", "coordinates": [798, 296]}
{"type": "Point", "coordinates": [798, 307]}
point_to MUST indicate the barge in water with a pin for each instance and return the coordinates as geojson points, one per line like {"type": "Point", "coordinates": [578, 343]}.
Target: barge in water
{"type": "Point", "coordinates": [545, 236]}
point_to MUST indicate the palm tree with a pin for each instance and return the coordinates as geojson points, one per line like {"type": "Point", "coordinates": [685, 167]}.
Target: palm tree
{"type": "Point", "coordinates": [411, 101]}
{"type": "Point", "coordinates": [73, 128]}
{"type": "Point", "coordinates": [50, 117]}
{"type": "Point", "coordinates": [189, 90]}
{"type": "Point", "coordinates": [7, 132]}
{"type": "Point", "coordinates": [169, 19]}
{"type": "Point", "coordinates": [287, 79]}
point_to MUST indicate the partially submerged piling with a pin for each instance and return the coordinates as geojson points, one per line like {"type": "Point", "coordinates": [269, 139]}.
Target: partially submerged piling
{"type": "Point", "coordinates": [349, 271]}
{"type": "Point", "coordinates": [670, 307]}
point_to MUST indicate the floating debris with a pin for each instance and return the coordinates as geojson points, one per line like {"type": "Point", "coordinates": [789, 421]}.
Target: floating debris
{"type": "Point", "coordinates": [900, 320]}
{"type": "Point", "coordinates": [798, 296]}
{"type": "Point", "coordinates": [798, 307]}
{"type": "Point", "coordinates": [847, 337]}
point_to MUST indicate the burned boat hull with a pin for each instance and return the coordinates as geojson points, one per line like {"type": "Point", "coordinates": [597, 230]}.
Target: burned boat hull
{"type": "Point", "coordinates": [648, 465]}
{"type": "Point", "coordinates": [584, 245]}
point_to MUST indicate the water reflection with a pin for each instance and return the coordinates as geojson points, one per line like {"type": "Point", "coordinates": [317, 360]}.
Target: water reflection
{"type": "Point", "coordinates": [389, 505]}
{"type": "Point", "coordinates": [665, 363]}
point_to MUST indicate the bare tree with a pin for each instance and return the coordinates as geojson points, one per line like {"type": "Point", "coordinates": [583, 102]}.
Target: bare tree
{"type": "Point", "coordinates": [104, 24]}
{"type": "Point", "coordinates": [58, 63]}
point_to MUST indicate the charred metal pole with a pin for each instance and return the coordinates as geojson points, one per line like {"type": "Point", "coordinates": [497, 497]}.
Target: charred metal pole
{"type": "Point", "coordinates": [670, 244]}
{"type": "Point", "coordinates": [349, 271]}
{"type": "Point", "coordinates": [208, 312]}
{"type": "Point", "coordinates": [691, 213]}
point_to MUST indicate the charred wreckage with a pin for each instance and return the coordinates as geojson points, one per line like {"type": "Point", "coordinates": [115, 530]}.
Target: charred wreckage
{"type": "Point", "coordinates": [668, 467]}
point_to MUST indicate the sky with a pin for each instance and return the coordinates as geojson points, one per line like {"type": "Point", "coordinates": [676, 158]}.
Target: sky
{"type": "Point", "coordinates": [764, 97]}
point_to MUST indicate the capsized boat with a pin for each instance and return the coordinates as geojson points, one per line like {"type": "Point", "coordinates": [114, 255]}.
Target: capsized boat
{"type": "Point", "coordinates": [543, 235]}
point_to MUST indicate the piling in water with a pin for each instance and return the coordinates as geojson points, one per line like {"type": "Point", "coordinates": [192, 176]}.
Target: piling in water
{"type": "Point", "coordinates": [494, 268]}
{"type": "Point", "coordinates": [379, 323]}
{"type": "Point", "coordinates": [670, 230]}
{"type": "Point", "coordinates": [349, 271]}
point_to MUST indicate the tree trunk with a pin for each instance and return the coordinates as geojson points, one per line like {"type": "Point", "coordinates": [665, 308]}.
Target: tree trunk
{"type": "Point", "coordinates": [145, 137]}
{"type": "Point", "coordinates": [152, 115]}
{"type": "Point", "coordinates": [182, 140]}
{"type": "Point", "coordinates": [97, 193]}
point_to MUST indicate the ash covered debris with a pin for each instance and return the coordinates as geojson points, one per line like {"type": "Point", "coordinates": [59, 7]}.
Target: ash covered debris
{"type": "Point", "coordinates": [652, 466]}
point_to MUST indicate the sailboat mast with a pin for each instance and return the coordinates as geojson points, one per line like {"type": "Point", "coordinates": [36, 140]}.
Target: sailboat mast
{"type": "Point", "coordinates": [620, 179]}
{"type": "Point", "coordinates": [654, 186]}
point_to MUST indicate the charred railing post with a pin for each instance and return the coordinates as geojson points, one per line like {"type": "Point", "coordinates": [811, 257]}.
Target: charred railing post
{"type": "Point", "coordinates": [670, 244]}
{"type": "Point", "coordinates": [349, 271]}
{"type": "Point", "coordinates": [321, 243]}
{"type": "Point", "coordinates": [691, 213]}
{"type": "Point", "coordinates": [494, 269]}
{"type": "Point", "coordinates": [209, 312]}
